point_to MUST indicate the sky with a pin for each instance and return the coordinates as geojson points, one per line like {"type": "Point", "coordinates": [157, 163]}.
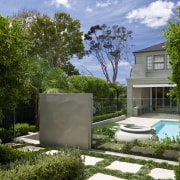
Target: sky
{"type": "Point", "coordinates": [146, 18]}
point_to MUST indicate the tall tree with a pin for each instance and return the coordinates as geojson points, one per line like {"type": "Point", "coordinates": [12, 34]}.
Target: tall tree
{"type": "Point", "coordinates": [14, 86]}
{"type": "Point", "coordinates": [172, 46]}
{"type": "Point", "coordinates": [109, 46]}
{"type": "Point", "coordinates": [26, 17]}
{"type": "Point", "coordinates": [56, 40]}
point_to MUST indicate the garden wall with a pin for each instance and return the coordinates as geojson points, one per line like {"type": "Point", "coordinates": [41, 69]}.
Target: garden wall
{"type": "Point", "coordinates": [66, 119]}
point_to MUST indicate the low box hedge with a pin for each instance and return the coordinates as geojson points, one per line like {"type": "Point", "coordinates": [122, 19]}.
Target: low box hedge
{"type": "Point", "coordinates": [106, 116]}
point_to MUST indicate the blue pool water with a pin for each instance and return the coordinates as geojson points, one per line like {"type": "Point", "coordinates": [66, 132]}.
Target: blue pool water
{"type": "Point", "coordinates": [167, 128]}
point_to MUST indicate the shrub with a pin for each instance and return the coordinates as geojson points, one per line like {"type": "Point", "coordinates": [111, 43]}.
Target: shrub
{"type": "Point", "coordinates": [33, 128]}
{"type": "Point", "coordinates": [5, 134]}
{"type": "Point", "coordinates": [106, 131]}
{"type": "Point", "coordinates": [21, 129]}
{"type": "Point", "coordinates": [8, 154]}
{"type": "Point", "coordinates": [177, 170]}
{"type": "Point", "coordinates": [60, 166]}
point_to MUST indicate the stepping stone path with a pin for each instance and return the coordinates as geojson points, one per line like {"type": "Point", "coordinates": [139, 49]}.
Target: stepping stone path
{"type": "Point", "coordinates": [13, 144]}
{"type": "Point", "coordinates": [100, 176]}
{"type": "Point", "coordinates": [30, 148]}
{"type": "Point", "coordinates": [89, 160]}
{"type": "Point", "coordinates": [124, 167]}
{"type": "Point", "coordinates": [52, 152]}
{"type": "Point", "coordinates": [160, 173]}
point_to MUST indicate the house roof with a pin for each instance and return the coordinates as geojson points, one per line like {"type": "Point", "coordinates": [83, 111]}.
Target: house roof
{"type": "Point", "coordinates": [156, 47]}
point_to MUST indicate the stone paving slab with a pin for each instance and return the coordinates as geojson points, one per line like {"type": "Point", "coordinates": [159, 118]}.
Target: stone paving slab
{"type": "Point", "coordinates": [52, 152]}
{"type": "Point", "coordinates": [30, 148]}
{"type": "Point", "coordinates": [100, 176]}
{"type": "Point", "coordinates": [13, 144]}
{"type": "Point", "coordinates": [26, 140]}
{"type": "Point", "coordinates": [160, 173]}
{"type": "Point", "coordinates": [89, 160]}
{"type": "Point", "coordinates": [124, 167]}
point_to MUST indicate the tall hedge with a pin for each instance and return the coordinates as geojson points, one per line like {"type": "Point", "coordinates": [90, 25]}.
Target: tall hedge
{"type": "Point", "coordinates": [88, 84]}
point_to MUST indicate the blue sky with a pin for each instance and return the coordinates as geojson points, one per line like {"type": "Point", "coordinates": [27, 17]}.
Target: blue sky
{"type": "Point", "coordinates": [146, 18]}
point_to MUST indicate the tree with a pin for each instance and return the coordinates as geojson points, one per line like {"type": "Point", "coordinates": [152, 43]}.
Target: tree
{"type": "Point", "coordinates": [14, 86]}
{"type": "Point", "coordinates": [56, 40]}
{"type": "Point", "coordinates": [37, 70]}
{"type": "Point", "coordinates": [26, 17]}
{"type": "Point", "coordinates": [120, 94]}
{"type": "Point", "coordinates": [108, 45]}
{"type": "Point", "coordinates": [88, 84]}
{"type": "Point", "coordinates": [172, 46]}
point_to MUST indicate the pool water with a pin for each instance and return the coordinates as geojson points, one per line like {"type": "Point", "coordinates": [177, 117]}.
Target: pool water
{"type": "Point", "coordinates": [166, 128]}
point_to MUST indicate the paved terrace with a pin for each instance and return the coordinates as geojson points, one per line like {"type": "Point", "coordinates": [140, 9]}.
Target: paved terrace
{"type": "Point", "coordinates": [149, 119]}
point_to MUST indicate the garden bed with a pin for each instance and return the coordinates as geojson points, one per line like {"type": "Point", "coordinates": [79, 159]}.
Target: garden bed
{"type": "Point", "coordinates": [166, 149]}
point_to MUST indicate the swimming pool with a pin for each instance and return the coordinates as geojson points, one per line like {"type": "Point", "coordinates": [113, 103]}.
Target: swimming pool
{"type": "Point", "coordinates": [166, 128]}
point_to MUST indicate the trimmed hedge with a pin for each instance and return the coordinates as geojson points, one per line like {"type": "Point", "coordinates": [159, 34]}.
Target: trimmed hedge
{"type": "Point", "coordinates": [106, 116]}
{"type": "Point", "coordinates": [62, 166]}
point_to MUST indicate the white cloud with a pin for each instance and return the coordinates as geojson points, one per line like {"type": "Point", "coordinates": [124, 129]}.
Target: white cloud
{"type": "Point", "coordinates": [89, 10]}
{"type": "Point", "coordinates": [58, 3]}
{"type": "Point", "coordinates": [155, 15]}
{"type": "Point", "coordinates": [124, 63]}
{"type": "Point", "coordinates": [178, 3]}
{"type": "Point", "coordinates": [105, 4]}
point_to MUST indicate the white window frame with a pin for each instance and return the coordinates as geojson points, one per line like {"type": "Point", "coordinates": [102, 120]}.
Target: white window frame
{"type": "Point", "coordinates": [153, 63]}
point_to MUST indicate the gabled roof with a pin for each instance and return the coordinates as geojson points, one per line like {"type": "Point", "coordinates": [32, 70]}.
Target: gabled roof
{"type": "Point", "coordinates": [157, 47]}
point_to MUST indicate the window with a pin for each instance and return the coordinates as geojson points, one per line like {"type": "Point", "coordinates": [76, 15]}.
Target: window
{"type": "Point", "coordinates": [168, 65]}
{"type": "Point", "coordinates": [149, 63]}
{"type": "Point", "coordinates": [159, 62]}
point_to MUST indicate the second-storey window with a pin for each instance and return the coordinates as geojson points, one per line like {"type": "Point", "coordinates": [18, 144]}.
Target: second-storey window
{"type": "Point", "coordinates": [168, 64]}
{"type": "Point", "coordinates": [159, 62]}
{"type": "Point", "coordinates": [149, 63]}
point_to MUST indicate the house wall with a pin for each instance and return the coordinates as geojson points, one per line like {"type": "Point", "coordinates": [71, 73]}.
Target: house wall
{"type": "Point", "coordinates": [139, 69]}
{"type": "Point", "coordinates": [66, 119]}
{"type": "Point", "coordinates": [139, 97]}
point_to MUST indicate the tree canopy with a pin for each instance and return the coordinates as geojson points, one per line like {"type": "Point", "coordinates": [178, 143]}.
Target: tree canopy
{"type": "Point", "coordinates": [172, 46]}
{"type": "Point", "coordinates": [55, 81]}
{"type": "Point", "coordinates": [56, 40]}
{"type": "Point", "coordinates": [52, 43]}
{"type": "Point", "coordinates": [88, 84]}
{"type": "Point", "coordinates": [14, 86]}
{"type": "Point", "coordinates": [109, 46]}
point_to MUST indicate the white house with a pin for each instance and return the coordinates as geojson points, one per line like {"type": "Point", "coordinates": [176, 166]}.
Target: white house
{"type": "Point", "coordinates": [148, 86]}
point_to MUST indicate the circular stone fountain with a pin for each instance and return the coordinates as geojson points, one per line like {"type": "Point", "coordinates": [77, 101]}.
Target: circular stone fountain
{"type": "Point", "coordinates": [133, 132]}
